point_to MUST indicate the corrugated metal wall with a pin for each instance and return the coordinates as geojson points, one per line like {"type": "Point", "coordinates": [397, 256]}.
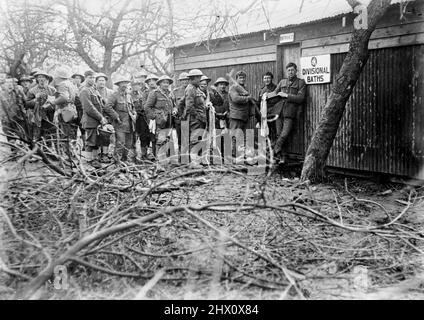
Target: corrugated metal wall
{"type": "Point", "coordinates": [376, 133]}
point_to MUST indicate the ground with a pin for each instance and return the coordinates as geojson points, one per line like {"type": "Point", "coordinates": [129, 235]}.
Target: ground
{"type": "Point", "coordinates": [265, 237]}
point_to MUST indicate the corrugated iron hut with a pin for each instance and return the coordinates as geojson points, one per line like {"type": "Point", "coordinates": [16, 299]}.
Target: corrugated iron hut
{"type": "Point", "coordinates": [383, 127]}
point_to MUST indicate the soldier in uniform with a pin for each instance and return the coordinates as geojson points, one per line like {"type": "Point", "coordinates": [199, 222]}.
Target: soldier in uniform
{"type": "Point", "coordinates": [120, 107]}
{"type": "Point", "coordinates": [272, 113]}
{"type": "Point", "coordinates": [147, 138]}
{"type": "Point", "coordinates": [139, 89]}
{"type": "Point", "coordinates": [92, 118]}
{"type": "Point", "coordinates": [160, 107]}
{"type": "Point", "coordinates": [241, 103]}
{"type": "Point", "coordinates": [40, 109]}
{"type": "Point", "coordinates": [104, 91]}
{"type": "Point", "coordinates": [178, 93]}
{"type": "Point", "coordinates": [25, 83]}
{"type": "Point", "coordinates": [66, 114]}
{"type": "Point", "coordinates": [219, 100]}
{"type": "Point", "coordinates": [77, 80]}
{"type": "Point", "coordinates": [293, 92]}
{"type": "Point", "coordinates": [12, 112]}
{"type": "Point", "coordinates": [106, 153]}
{"type": "Point", "coordinates": [194, 111]}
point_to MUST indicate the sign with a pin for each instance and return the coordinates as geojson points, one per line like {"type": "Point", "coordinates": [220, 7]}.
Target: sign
{"type": "Point", "coordinates": [316, 69]}
{"type": "Point", "coordinates": [286, 37]}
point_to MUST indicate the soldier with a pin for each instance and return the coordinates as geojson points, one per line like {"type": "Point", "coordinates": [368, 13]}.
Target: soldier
{"type": "Point", "coordinates": [272, 113]}
{"type": "Point", "coordinates": [120, 107]}
{"type": "Point", "coordinates": [106, 152]}
{"type": "Point", "coordinates": [12, 113]}
{"type": "Point", "coordinates": [240, 103]}
{"type": "Point", "coordinates": [161, 108]}
{"type": "Point", "coordinates": [147, 139]}
{"type": "Point", "coordinates": [92, 118]}
{"type": "Point", "coordinates": [66, 113]}
{"type": "Point", "coordinates": [194, 111]}
{"type": "Point", "coordinates": [77, 80]}
{"type": "Point", "coordinates": [220, 101]}
{"type": "Point", "coordinates": [25, 83]}
{"type": "Point", "coordinates": [138, 93]}
{"type": "Point", "coordinates": [151, 84]}
{"type": "Point", "coordinates": [293, 92]}
{"type": "Point", "coordinates": [179, 96]}
{"type": "Point", "coordinates": [40, 109]}
{"type": "Point", "coordinates": [105, 92]}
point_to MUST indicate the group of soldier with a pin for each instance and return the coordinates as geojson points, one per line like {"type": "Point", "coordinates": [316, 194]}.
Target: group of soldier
{"type": "Point", "coordinates": [143, 109]}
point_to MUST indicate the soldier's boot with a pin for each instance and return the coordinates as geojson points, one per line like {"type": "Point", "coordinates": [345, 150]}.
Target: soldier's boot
{"type": "Point", "coordinates": [143, 153]}
{"type": "Point", "coordinates": [195, 162]}
{"type": "Point", "coordinates": [133, 156]}
{"type": "Point", "coordinates": [86, 156]}
{"type": "Point", "coordinates": [94, 162]}
{"type": "Point", "coordinates": [104, 155]}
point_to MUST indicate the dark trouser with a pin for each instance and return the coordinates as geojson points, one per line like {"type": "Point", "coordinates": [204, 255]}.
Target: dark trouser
{"type": "Point", "coordinates": [196, 124]}
{"type": "Point", "coordinates": [284, 134]}
{"type": "Point", "coordinates": [144, 134]}
{"type": "Point", "coordinates": [124, 143]}
{"type": "Point", "coordinates": [236, 124]}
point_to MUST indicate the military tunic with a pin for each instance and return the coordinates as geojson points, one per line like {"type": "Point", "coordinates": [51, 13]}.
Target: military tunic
{"type": "Point", "coordinates": [39, 113]}
{"type": "Point", "coordinates": [120, 106]}
{"type": "Point", "coordinates": [159, 107]}
{"type": "Point", "coordinates": [65, 95]}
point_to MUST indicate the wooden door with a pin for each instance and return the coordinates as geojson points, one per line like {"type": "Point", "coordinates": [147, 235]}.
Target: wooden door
{"type": "Point", "coordinates": [285, 54]}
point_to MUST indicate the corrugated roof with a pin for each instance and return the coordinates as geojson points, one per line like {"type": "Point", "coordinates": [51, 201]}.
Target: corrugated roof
{"type": "Point", "coordinates": [273, 14]}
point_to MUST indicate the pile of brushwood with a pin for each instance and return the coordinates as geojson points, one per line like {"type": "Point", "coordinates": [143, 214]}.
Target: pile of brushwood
{"type": "Point", "coordinates": [138, 232]}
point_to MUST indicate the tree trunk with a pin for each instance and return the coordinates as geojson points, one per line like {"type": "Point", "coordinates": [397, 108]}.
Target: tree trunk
{"type": "Point", "coordinates": [322, 140]}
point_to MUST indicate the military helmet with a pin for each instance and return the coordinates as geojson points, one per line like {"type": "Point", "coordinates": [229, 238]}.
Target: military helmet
{"type": "Point", "coordinates": [241, 73]}
{"type": "Point", "coordinates": [63, 73]}
{"type": "Point", "coordinates": [151, 77]}
{"type": "Point", "coordinates": [121, 79]}
{"type": "Point", "coordinates": [195, 73]}
{"type": "Point", "coordinates": [100, 75]}
{"type": "Point", "coordinates": [183, 76]}
{"type": "Point", "coordinates": [221, 80]}
{"type": "Point", "coordinates": [205, 77]}
{"type": "Point", "coordinates": [34, 71]}
{"type": "Point", "coordinates": [24, 78]}
{"type": "Point", "coordinates": [77, 74]}
{"type": "Point", "coordinates": [42, 73]}
{"type": "Point", "coordinates": [164, 77]}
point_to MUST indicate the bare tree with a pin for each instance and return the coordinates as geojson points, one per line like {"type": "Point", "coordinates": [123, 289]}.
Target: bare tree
{"type": "Point", "coordinates": [26, 36]}
{"type": "Point", "coordinates": [106, 38]}
{"type": "Point", "coordinates": [356, 59]}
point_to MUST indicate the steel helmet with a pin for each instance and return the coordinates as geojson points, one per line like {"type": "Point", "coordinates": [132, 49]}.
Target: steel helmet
{"type": "Point", "coordinates": [164, 77]}
{"type": "Point", "coordinates": [183, 76]}
{"type": "Point", "coordinates": [151, 77]}
{"type": "Point", "coordinates": [100, 75]}
{"type": "Point", "coordinates": [25, 78]}
{"type": "Point", "coordinates": [63, 73]}
{"type": "Point", "coordinates": [205, 77]}
{"type": "Point", "coordinates": [42, 73]}
{"type": "Point", "coordinates": [121, 79]}
{"type": "Point", "coordinates": [34, 71]}
{"type": "Point", "coordinates": [77, 74]}
{"type": "Point", "coordinates": [195, 73]}
{"type": "Point", "coordinates": [221, 80]}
